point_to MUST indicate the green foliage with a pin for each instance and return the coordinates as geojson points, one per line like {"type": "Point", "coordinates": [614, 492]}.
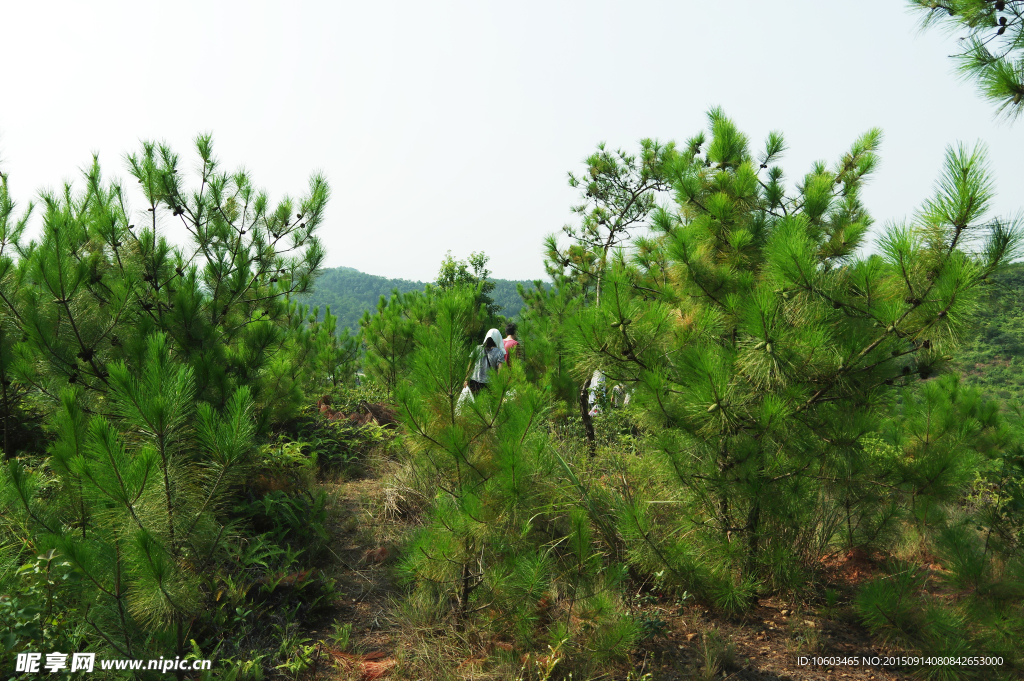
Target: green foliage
{"type": "Point", "coordinates": [95, 286]}
{"type": "Point", "coordinates": [135, 380]}
{"type": "Point", "coordinates": [717, 656]}
{"type": "Point", "coordinates": [765, 352]}
{"type": "Point", "coordinates": [991, 360]}
{"type": "Point", "coordinates": [285, 463]}
{"type": "Point", "coordinates": [991, 51]}
{"type": "Point", "coordinates": [339, 444]}
{"type": "Point", "coordinates": [336, 354]}
{"type": "Point", "coordinates": [898, 610]}
{"type": "Point", "coordinates": [619, 192]}
{"type": "Point", "coordinates": [545, 353]}
{"type": "Point", "coordinates": [788, 398]}
{"type": "Point", "coordinates": [33, 610]}
{"type": "Point", "coordinates": [137, 493]}
{"type": "Point", "coordinates": [349, 293]}
{"type": "Point", "coordinates": [493, 539]}
{"type": "Point", "coordinates": [390, 336]}
{"type": "Point", "coordinates": [471, 272]}
{"type": "Point", "coordinates": [288, 518]}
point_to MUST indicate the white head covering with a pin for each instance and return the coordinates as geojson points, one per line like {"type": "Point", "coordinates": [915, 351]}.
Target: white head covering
{"type": "Point", "coordinates": [495, 336]}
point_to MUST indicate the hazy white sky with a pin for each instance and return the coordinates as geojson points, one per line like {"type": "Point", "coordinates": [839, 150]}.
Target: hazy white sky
{"type": "Point", "coordinates": [451, 125]}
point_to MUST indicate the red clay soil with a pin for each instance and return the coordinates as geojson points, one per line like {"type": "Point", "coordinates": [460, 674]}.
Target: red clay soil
{"type": "Point", "coordinates": [852, 567]}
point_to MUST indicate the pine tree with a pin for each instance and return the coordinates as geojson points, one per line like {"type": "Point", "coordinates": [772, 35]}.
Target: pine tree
{"type": "Point", "coordinates": [619, 193]}
{"type": "Point", "coordinates": [96, 286]}
{"type": "Point", "coordinates": [389, 336]}
{"type": "Point", "coordinates": [337, 354]}
{"type": "Point", "coordinates": [137, 512]}
{"type": "Point", "coordinates": [155, 366]}
{"type": "Point", "coordinates": [546, 358]}
{"type": "Point", "coordinates": [495, 537]}
{"type": "Point", "coordinates": [993, 50]}
{"type": "Point", "coordinates": [473, 273]}
{"type": "Point", "coordinates": [13, 394]}
{"type": "Point", "coordinates": [765, 351]}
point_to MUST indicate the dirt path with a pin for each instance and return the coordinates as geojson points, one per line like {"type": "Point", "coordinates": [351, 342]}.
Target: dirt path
{"type": "Point", "coordinates": [359, 533]}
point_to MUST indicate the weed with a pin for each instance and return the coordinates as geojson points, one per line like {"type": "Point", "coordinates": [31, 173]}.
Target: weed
{"type": "Point", "coordinates": [716, 655]}
{"type": "Point", "coordinates": [544, 665]}
{"type": "Point", "coordinates": [652, 627]}
{"type": "Point", "coordinates": [804, 637]}
{"type": "Point", "coordinates": [289, 519]}
{"type": "Point", "coordinates": [831, 601]}
{"type": "Point", "coordinates": [341, 635]}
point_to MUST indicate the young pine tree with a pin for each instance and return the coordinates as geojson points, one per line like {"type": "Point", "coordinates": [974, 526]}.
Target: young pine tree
{"type": "Point", "coordinates": [765, 351]}
{"type": "Point", "coordinates": [154, 365]}
{"type": "Point", "coordinates": [337, 354]}
{"type": "Point", "coordinates": [499, 543]}
{"type": "Point", "coordinates": [102, 279]}
{"type": "Point", "coordinates": [137, 508]}
{"type": "Point", "coordinates": [389, 336]}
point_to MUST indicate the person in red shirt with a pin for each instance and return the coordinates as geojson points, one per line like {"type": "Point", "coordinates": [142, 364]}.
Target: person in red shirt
{"type": "Point", "coordinates": [510, 343]}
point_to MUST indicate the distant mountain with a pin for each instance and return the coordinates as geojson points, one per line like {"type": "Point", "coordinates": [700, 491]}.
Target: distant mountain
{"type": "Point", "coordinates": [350, 292]}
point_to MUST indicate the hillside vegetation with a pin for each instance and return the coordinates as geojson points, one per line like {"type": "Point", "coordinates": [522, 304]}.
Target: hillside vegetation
{"type": "Point", "coordinates": [350, 292]}
{"type": "Point", "coordinates": [721, 447]}
{"type": "Point", "coordinates": [994, 359]}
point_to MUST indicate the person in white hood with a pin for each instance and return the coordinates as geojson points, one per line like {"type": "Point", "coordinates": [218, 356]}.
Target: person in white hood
{"type": "Point", "coordinates": [488, 357]}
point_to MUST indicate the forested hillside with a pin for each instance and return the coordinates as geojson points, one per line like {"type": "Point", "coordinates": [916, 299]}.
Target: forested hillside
{"type": "Point", "coordinates": [993, 361]}
{"type": "Point", "coordinates": [350, 292]}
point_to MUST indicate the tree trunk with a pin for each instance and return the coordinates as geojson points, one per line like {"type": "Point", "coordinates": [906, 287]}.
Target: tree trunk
{"type": "Point", "coordinates": [754, 535]}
